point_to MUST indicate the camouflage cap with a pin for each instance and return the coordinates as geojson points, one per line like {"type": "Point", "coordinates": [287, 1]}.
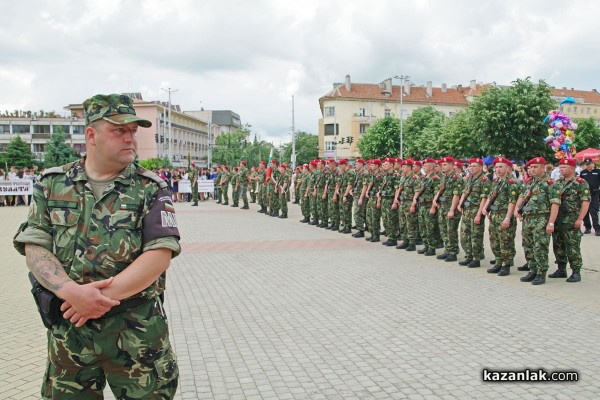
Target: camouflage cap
{"type": "Point", "coordinates": [114, 108]}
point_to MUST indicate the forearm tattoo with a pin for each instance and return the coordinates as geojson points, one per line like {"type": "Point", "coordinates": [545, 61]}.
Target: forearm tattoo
{"type": "Point", "coordinates": [45, 267]}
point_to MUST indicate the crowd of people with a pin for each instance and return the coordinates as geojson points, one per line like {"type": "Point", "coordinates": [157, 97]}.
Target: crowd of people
{"type": "Point", "coordinates": [14, 174]}
{"type": "Point", "coordinates": [438, 204]}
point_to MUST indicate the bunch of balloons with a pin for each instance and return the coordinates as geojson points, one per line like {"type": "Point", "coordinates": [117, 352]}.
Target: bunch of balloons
{"type": "Point", "coordinates": [561, 134]}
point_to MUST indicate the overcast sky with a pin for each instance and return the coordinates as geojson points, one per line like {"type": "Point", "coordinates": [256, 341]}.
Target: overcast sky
{"type": "Point", "coordinates": [251, 56]}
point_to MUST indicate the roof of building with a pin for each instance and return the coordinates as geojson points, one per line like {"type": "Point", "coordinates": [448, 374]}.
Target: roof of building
{"type": "Point", "coordinates": [585, 96]}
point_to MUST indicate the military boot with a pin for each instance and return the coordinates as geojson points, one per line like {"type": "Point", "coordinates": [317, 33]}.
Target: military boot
{"type": "Point", "coordinates": [430, 252]}
{"type": "Point", "coordinates": [195, 204]}
{"type": "Point", "coordinates": [575, 277]}
{"type": "Point", "coordinates": [335, 227]}
{"type": "Point", "coordinates": [369, 238]}
{"type": "Point", "coordinates": [314, 222]}
{"type": "Point", "coordinates": [466, 261]}
{"type": "Point", "coordinates": [442, 256]}
{"type": "Point", "coordinates": [392, 242]}
{"type": "Point", "coordinates": [539, 279]}
{"type": "Point", "coordinates": [374, 239]}
{"type": "Point", "coordinates": [347, 230]}
{"type": "Point", "coordinates": [529, 277]}
{"type": "Point", "coordinates": [440, 245]}
{"type": "Point", "coordinates": [283, 216]}
{"type": "Point", "coordinates": [225, 204]}
{"type": "Point", "coordinates": [234, 205]}
{"type": "Point", "coordinates": [423, 250]}
{"type": "Point", "coordinates": [505, 270]}
{"type": "Point", "coordinates": [359, 234]}
{"type": "Point", "coordinates": [524, 267]}
{"type": "Point", "coordinates": [262, 210]}
{"type": "Point", "coordinates": [411, 247]}
{"type": "Point", "coordinates": [561, 272]}
{"type": "Point", "coordinates": [385, 243]}
{"type": "Point", "coordinates": [492, 262]}
{"type": "Point", "coordinates": [474, 264]}
{"type": "Point", "coordinates": [450, 257]}
{"type": "Point", "coordinates": [304, 220]}
{"type": "Point", "coordinates": [419, 242]}
{"type": "Point", "coordinates": [402, 245]}
{"type": "Point", "coordinates": [245, 207]}
{"type": "Point", "coordinates": [495, 269]}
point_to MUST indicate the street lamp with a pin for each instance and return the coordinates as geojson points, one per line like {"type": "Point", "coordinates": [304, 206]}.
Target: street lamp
{"type": "Point", "coordinates": [402, 79]}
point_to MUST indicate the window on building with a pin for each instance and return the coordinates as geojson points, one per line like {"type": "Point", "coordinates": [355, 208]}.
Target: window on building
{"type": "Point", "coordinates": [362, 112]}
{"type": "Point", "coordinates": [574, 109]}
{"type": "Point", "coordinates": [569, 109]}
{"type": "Point", "coordinates": [41, 129]}
{"type": "Point", "coordinates": [363, 128]}
{"type": "Point", "coordinates": [78, 129]}
{"type": "Point", "coordinates": [330, 145]}
{"type": "Point", "coordinates": [61, 128]}
{"type": "Point", "coordinates": [332, 129]}
{"type": "Point", "coordinates": [4, 129]}
{"type": "Point", "coordinates": [20, 128]}
{"type": "Point", "coordinates": [589, 110]}
{"type": "Point", "coordinates": [387, 112]}
{"type": "Point", "coordinates": [329, 111]}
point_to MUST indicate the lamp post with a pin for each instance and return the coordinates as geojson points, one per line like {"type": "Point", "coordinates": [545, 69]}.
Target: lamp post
{"type": "Point", "coordinates": [402, 79]}
{"type": "Point", "coordinates": [169, 90]}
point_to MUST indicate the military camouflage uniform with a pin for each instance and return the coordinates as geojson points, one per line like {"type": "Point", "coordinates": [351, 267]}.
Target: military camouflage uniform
{"type": "Point", "coordinates": [453, 186]}
{"type": "Point", "coordinates": [315, 200]}
{"type": "Point", "coordinates": [347, 177]}
{"type": "Point", "coordinates": [409, 186]}
{"type": "Point", "coordinates": [566, 239]}
{"type": "Point", "coordinates": [253, 186]}
{"type": "Point", "coordinates": [243, 184]}
{"type": "Point", "coordinates": [274, 197]}
{"type": "Point", "coordinates": [262, 189]}
{"type": "Point", "coordinates": [333, 201]}
{"type": "Point", "coordinates": [193, 177]}
{"type": "Point", "coordinates": [235, 187]}
{"type": "Point", "coordinates": [389, 217]}
{"type": "Point", "coordinates": [283, 192]}
{"type": "Point", "coordinates": [218, 186]}
{"type": "Point", "coordinates": [225, 177]}
{"type": "Point", "coordinates": [322, 179]}
{"type": "Point", "coordinates": [503, 241]}
{"type": "Point", "coordinates": [95, 239]}
{"type": "Point", "coordinates": [360, 178]}
{"type": "Point", "coordinates": [305, 201]}
{"type": "Point", "coordinates": [374, 213]}
{"type": "Point", "coordinates": [471, 234]}
{"type": "Point", "coordinates": [427, 221]}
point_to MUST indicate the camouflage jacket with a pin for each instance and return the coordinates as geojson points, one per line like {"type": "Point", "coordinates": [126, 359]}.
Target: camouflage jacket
{"type": "Point", "coordinates": [243, 173]}
{"type": "Point", "coordinates": [507, 190]}
{"type": "Point", "coordinates": [572, 193]}
{"type": "Point", "coordinates": [539, 196]}
{"type": "Point", "coordinates": [320, 179]}
{"type": "Point", "coordinates": [346, 178]}
{"type": "Point", "coordinates": [96, 239]}
{"type": "Point", "coordinates": [429, 185]}
{"type": "Point", "coordinates": [375, 182]}
{"type": "Point", "coordinates": [475, 189]}
{"type": "Point", "coordinates": [409, 186]}
{"type": "Point", "coordinates": [388, 183]}
{"type": "Point", "coordinates": [360, 178]}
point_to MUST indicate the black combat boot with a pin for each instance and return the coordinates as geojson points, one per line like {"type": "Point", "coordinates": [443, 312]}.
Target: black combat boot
{"type": "Point", "coordinates": [440, 245]}
{"type": "Point", "coordinates": [492, 262]}
{"type": "Point", "coordinates": [374, 239]}
{"type": "Point", "coordinates": [411, 247]}
{"type": "Point", "coordinates": [529, 277]}
{"type": "Point", "coordinates": [262, 210]}
{"type": "Point", "coordinates": [495, 269]}
{"type": "Point", "coordinates": [245, 207]}
{"type": "Point", "coordinates": [391, 242]}
{"type": "Point", "coordinates": [423, 250]}
{"type": "Point", "coordinates": [474, 264]}
{"type": "Point", "coordinates": [575, 277]}
{"type": "Point", "coordinates": [419, 242]}
{"type": "Point", "coordinates": [335, 227]}
{"type": "Point", "coordinates": [451, 258]}
{"type": "Point", "coordinates": [283, 216]}
{"type": "Point", "coordinates": [314, 222]}
{"type": "Point", "coordinates": [442, 256]}
{"type": "Point", "coordinates": [195, 204]}
{"type": "Point", "coordinates": [304, 220]}
{"type": "Point", "coordinates": [385, 243]}
{"type": "Point", "coordinates": [524, 267]}
{"type": "Point", "coordinates": [403, 245]}
{"type": "Point", "coordinates": [505, 270]}
{"type": "Point", "coordinates": [561, 272]}
{"type": "Point", "coordinates": [234, 205]}
{"type": "Point", "coordinates": [225, 204]}
{"type": "Point", "coordinates": [430, 252]}
{"type": "Point", "coordinates": [466, 261]}
{"type": "Point", "coordinates": [347, 230]}
{"type": "Point", "coordinates": [539, 279]}
{"type": "Point", "coordinates": [359, 234]}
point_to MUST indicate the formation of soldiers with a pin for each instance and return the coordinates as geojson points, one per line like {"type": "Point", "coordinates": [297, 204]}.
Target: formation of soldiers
{"type": "Point", "coordinates": [432, 203]}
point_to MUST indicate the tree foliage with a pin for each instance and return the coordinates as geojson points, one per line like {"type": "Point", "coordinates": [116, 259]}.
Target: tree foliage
{"type": "Point", "coordinates": [18, 153]}
{"type": "Point", "coordinates": [421, 131]}
{"type": "Point", "coordinates": [381, 139]}
{"type": "Point", "coordinates": [229, 147]}
{"type": "Point", "coordinates": [307, 148]}
{"type": "Point", "coordinates": [457, 137]}
{"type": "Point", "coordinates": [58, 152]}
{"type": "Point", "coordinates": [155, 163]}
{"type": "Point", "coordinates": [509, 121]}
{"type": "Point", "coordinates": [587, 134]}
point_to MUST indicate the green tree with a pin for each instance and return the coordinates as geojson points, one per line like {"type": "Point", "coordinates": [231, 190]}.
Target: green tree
{"type": "Point", "coordinates": [421, 131]}
{"type": "Point", "coordinates": [509, 121]}
{"type": "Point", "coordinates": [587, 134]}
{"type": "Point", "coordinates": [18, 153]}
{"type": "Point", "coordinates": [58, 152]}
{"type": "Point", "coordinates": [381, 139]}
{"type": "Point", "coordinates": [307, 148]}
{"type": "Point", "coordinates": [230, 146]}
{"type": "Point", "coordinates": [155, 163]}
{"type": "Point", "coordinates": [458, 139]}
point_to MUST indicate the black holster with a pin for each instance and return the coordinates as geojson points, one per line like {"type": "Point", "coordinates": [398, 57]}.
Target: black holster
{"type": "Point", "coordinates": [48, 303]}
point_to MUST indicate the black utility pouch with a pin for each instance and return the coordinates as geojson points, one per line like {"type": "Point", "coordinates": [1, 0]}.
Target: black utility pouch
{"type": "Point", "coordinates": [48, 303]}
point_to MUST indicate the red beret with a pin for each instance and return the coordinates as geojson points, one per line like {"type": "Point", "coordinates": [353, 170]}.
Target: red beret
{"type": "Point", "coordinates": [359, 160]}
{"type": "Point", "coordinates": [263, 163]}
{"type": "Point", "coordinates": [376, 161]}
{"type": "Point", "coordinates": [429, 160]}
{"type": "Point", "coordinates": [537, 160]}
{"type": "Point", "coordinates": [305, 166]}
{"type": "Point", "coordinates": [273, 161]}
{"type": "Point", "coordinates": [458, 164]}
{"type": "Point", "coordinates": [389, 159]}
{"type": "Point", "coordinates": [226, 166]}
{"type": "Point", "coordinates": [343, 162]}
{"type": "Point", "coordinates": [193, 164]}
{"type": "Point", "coordinates": [320, 161]}
{"type": "Point", "coordinates": [418, 163]}
{"type": "Point", "coordinates": [447, 159]}
{"type": "Point", "coordinates": [408, 161]}
{"type": "Point", "coordinates": [235, 168]}
{"type": "Point", "coordinates": [399, 160]}
{"type": "Point", "coordinates": [243, 162]}
{"type": "Point", "coordinates": [476, 160]}
{"type": "Point", "coordinates": [502, 160]}
{"type": "Point", "coordinates": [313, 163]}
{"type": "Point", "coordinates": [568, 161]}
{"type": "Point", "coordinates": [331, 161]}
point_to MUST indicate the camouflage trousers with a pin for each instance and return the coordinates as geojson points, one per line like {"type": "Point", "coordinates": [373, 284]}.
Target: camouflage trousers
{"type": "Point", "coordinates": [305, 204]}
{"type": "Point", "coordinates": [219, 194]}
{"type": "Point", "coordinates": [333, 208]}
{"type": "Point", "coordinates": [566, 242]}
{"type": "Point", "coordinates": [471, 234]}
{"type": "Point", "coordinates": [253, 192]}
{"type": "Point", "coordinates": [535, 236]}
{"type": "Point", "coordinates": [273, 201]}
{"type": "Point", "coordinates": [502, 241]}
{"type": "Point", "coordinates": [283, 202]}
{"type": "Point", "coordinates": [428, 226]}
{"type": "Point", "coordinates": [411, 222]}
{"type": "Point", "coordinates": [235, 195]}
{"type": "Point", "coordinates": [449, 227]}
{"type": "Point", "coordinates": [297, 196]}
{"type": "Point", "coordinates": [195, 192]}
{"type": "Point", "coordinates": [130, 350]}
{"type": "Point", "coordinates": [244, 194]}
{"type": "Point", "coordinates": [346, 212]}
{"type": "Point", "coordinates": [261, 196]}
{"type": "Point", "coordinates": [225, 192]}
{"type": "Point", "coordinates": [360, 213]}
{"type": "Point", "coordinates": [314, 206]}
{"type": "Point", "coordinates": [402, 223]}
{"type": "Point", "coordinates": [389, 218]}
{"type": "Point", "coordinates": [374, 217]}
{"type": "Point", "coordinates": [322, 206]}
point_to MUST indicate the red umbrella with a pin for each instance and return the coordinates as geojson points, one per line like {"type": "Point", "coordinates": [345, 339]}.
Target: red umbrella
{"type": "Point", "coordinates": [592, 153]}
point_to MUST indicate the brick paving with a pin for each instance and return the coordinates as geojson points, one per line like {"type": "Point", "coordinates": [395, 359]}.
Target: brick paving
{"type": "Point", "coordinates": [264, 308]}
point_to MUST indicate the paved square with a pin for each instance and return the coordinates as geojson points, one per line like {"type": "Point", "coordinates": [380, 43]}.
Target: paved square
{"type": "Point", "coordinates": [264, 308]}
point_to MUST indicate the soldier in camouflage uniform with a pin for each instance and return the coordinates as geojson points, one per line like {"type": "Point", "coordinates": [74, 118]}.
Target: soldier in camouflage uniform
{"type": "Point", "coordinates": [304, 199]}
{"type": "Point", "coordinates": [225, 177]}
{"type": "Point", "coordinates": [359, 189]}
{"type": "Point", "coordinates": [313, 192]}
{"type": "Point", "coordinates": [500, 206]}
{"type": "Point", "coordinates": [374, 204]}
{"type": "Point", "coordinates": [399, 214]}
{"type": "Point", "coordinates": [332, 187]}
{"type": "Point", "coordinates": [308, 192]}
{"type": "Point", "coordinates": [447, 199]}
{"type": "Point", "coordinates": [235, 187]}
{"type": "Point", "coordinates": [405, 192]}
{"type": "Point", "coordinates": [322, 180]}
{"type": "Point", "coordinates": [261, 187]}
{"type": "Point", "coordinates": [574, 195]}
{"type": "Point", "coordinates": [472, 201]}
{"type": "Point", "coordinates": [284, 185]}
{"type": "Point", "coordinates": [525, 244]}
{"type": "Point", "coordinates": [417, 166]}
{"type": "Point", "coordinates": [218, 184]}
{"type": "Point", "coordinates": [252, 186]}
{"type": "Point", "coordinates": [272, 190]}
{"type": "Point", "coordinates": [88, 224]}
{"type": "Point", "coordinates": [538, 219]}
{"type": "Point", "coordinates": [193, 177]}
{"type": "Point", "coordinates": [297, 183]}
{"type": "Point", "coordinates": [385, 196]}
{"type": "Point", "coordinates": [243, 180]}
{"type": "Point", "coordinates": [424, 198]}
{"type": "Point", "coordinates": [345, 189]}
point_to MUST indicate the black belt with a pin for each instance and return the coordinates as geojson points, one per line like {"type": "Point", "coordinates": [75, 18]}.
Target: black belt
{"type": "Point", "coordinates": [125, 306]}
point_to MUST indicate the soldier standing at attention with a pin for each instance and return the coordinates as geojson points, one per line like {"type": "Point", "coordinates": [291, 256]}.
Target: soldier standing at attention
{"type": "Point", "coordinates": [574, 195]}
{"type": "Point", "coordinates": [193, 177]}
{"type": "Point", "coordinates": [225, 177]}
{"type": "Point", "coordinates": [260, 187]}
{"type": "Point", "coordinates": [304, 200]}
{"type": "Point", "coordinates": [592, 175]}
{"type": "Point", "coordinates": [333, 204]}
{"type": "Point", "coordinates": [424, 198]}
{"type": "Point", "coordinates": [345, 197]}
{"type": "Point", "coordinates": [235, 187]}
{"type": "Point", "coordinates": [534, 208]}
{"type": "Point", "coordinates": [218, 184]}
{"type": "Point", "coordinates": [283, 184]}
{"type": "Point", "coordinates": [386, 194]}
{"type": "Point", "coordinates": [322, 179]}
{"type": "Point", "coordinates": [374, 205]}
{"type": "Point", "coordinates": [244, 179]}
{"type": "Point", "coordinates": [359, 183]}
{"type": "Point", "coordinates": [253, 184]}
{"type": "Point", "coordinates": [500, 206]}
{"type": "Point", "coordinates": [525, 244]}
{"type": "Point", "coordinates": [448, 215]}
{"type": "Point", "coordinates": [100, 235]}
{"type": "Point", "coordinates": [405, 192]}
{"type": "Point", "coordinates": [472, 201]}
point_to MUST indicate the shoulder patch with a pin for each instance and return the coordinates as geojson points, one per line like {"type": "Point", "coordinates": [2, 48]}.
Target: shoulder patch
{"type": "Point", "coordinates": [550, 182]}
{"type": "Point", "coordinates": [54, 171]}
{"type": "Point", "coordinates": [511, 181]}
{"type": "Point", "coordinates": [454, 176]}
{"type": "Point", "coordinates": [484, 178]}
{"type": "Point", "coordinates": [580, 180]}
{"type": "Point", "coordinates": [152, 176]}
{"type": "Point", "coordinates": [435, 178]}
